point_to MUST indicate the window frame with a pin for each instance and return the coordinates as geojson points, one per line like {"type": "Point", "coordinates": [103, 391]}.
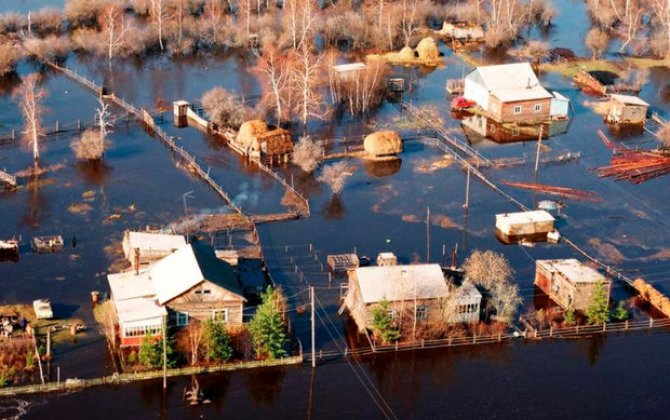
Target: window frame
{"type": "Point", "coordinates": [219, 311]}
{"type": "Point", "coordinates": [517, 109]}
{"type": "Point", "coordinates": [179, 318]}
{"type": "Point", "coordinates": [537, 108]}
{"type": "Point", "coordinates": [424, 310]}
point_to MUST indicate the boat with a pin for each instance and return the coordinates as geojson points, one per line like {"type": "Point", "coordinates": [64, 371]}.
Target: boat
{"type": "Point", "coordinates": [47, 243]}
{"type": "Point", "coordinates": [9, 249]}
{"type": "Point", "coordinates": [460, 103]}
{"type": "Point", "coordinates": [43, 309]}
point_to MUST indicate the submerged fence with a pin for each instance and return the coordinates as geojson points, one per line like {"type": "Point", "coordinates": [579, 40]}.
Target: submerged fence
{"type": "Point", "coordinates": [117, 379]}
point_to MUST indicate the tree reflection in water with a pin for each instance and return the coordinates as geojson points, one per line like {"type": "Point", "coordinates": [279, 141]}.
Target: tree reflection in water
{"type": "Point", "coordinates": [265, 385]}
{"type": "Point", "coordinates": [334, 209]}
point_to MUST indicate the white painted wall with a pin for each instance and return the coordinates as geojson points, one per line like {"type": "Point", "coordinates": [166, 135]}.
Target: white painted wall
{"type": "Point", "coordinates": [476, 92]}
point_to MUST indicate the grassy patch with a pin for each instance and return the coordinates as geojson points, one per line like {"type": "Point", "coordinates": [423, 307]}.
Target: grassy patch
{"type": "Point", "coordinates": [647, 63]}
{"type": "Point", "coordinates": [587, 65]}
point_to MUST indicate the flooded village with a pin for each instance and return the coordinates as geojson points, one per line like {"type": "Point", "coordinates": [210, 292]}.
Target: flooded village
{"type": "Point", "coordinates": [425, 209]}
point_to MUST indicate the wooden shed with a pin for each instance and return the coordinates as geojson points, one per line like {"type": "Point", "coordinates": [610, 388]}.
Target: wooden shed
{"type": "Point", "coordinates": [260, 141]}
{"type": "Point", "coordinates": [569, 283]}
{"type": "Point", "coordinates": [626, 109]}
{"type": "Point", "coordinates": [524, 226]}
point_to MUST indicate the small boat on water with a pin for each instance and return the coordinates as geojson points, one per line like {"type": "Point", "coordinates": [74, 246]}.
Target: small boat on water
{"type": "Point", "coordinates": [9, 249]}
{"type": "Point", "coordinates": [47, 243]}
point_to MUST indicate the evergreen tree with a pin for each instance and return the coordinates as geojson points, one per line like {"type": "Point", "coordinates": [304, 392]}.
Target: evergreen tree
{"type": "Point", "coordinates": [620, 313]}
{"type": "Point", "coordinates": [267, 326]}
{"type": "Point", "coordinates": [598, 312]}
{"type": "Point", "coordinates": [217, 341]}
{"type": "Point", "coordinates": [382, 321]}
{"type": "Point", "coordinates": [569, 319]}
{"type": "Point", "coordinates": [151, 352]}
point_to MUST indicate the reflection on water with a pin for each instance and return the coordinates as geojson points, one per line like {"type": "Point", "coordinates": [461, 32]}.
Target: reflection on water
{"type": "Point", "coordinates": [384, 168]}
{"type": "Point", "coordinates": [265, 385]}
{"type": "Point", "coordinates": [334, 209]}
{"type": "Point", "coordinates": [479, 127]}
{"type": "Point", "coordinates": [94, 172]}
{"type": "Point", "coordinates": [37, 207]}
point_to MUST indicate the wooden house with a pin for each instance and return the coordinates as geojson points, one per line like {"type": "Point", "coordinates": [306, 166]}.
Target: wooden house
{"type": "Point", "coordinates": [462, 31]}
{"type": "Point", "coordinates": [524, 226]}
{"type": "Point", "coordinates": [626, 109]}
{"type": "Point", "coordinates": [569, 283]}
{"type": "Point", "coordinates": [401, 286]}
{"type": "Point", "coordinates": [190, 283]}
{"type": "Point", "coordinates": [467, 302]}
{"type": "Point", "coordinates": [149, 246]}
{"type": "Point", "coordinates": [193, 284]}
{"type": "Point", "coordinates": [509, 93]}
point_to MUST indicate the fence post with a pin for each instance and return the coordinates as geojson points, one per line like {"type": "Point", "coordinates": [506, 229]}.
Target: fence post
{"type": "Point", "coordinates": [422, 342]}
{"type": "Point", "coordinates": [396, 346]}
{"type": "Point", "coordinates": [13, 134]}
{"type": "Point", "coordinates": [57, 126]}
{"type": "Point", "coordinates": [626, 327]}
{"type": "Point", "coordinates": [651, 322]}
{"type": "Point", "coordinates": [604, 326]}
{"type": "Point", "coordinates": [551, 331]}
{"type": "Point", "coordinates": [79, 125]}
{"type": "Point", "coordinates": [576, 329]}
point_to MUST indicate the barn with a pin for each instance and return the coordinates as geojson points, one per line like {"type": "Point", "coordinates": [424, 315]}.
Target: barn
{"type": "Point", "coordinates": [627, 109]}
{"type": "Point", "coordinates": [569, 283]}
{"type": "Point", "coordinates": [509, 93]}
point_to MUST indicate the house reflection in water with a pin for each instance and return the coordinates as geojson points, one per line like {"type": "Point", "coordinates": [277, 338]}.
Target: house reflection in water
{"type": "Point", "coordinates": [480, 127]}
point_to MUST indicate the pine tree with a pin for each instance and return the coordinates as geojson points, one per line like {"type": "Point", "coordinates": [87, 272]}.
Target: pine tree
{"type": "Point", "coordinates": [151, 352]}
{"type": "Point", "coordinates": [217, 341]}
{"type": "Point", "coordinates": [382, 321]}
{"type": "Point", "coordinates": [267, 328]}
{"type": "Point", "coordinates": [569, 319]}
{"type": "Point", "coordinates": [598, 312]}
{"type": "Point", "coordinates": [620, 313]}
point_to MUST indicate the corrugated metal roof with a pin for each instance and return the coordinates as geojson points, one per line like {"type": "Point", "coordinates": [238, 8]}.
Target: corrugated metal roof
{"type": "Point", "coordinates": [628, 99]}
{"type": "Point", "coordinates": [188, 267]}
{"type": "Point", "coordinates": [510, 82]}
{"type": "Point", "coordinates": [401, 282]}
{"type": "Point", "coordinates": [574, 270]}
{"type": "Point", "coordinates": [128, 285]}
{"type": "Point", "coordinates": [155, 241]}
{"type": "Point", "coordinates": [138, 309]}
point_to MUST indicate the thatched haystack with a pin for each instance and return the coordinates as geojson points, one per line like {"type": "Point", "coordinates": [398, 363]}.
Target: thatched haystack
{"type": "Point", "coordinates": [382, 144]}
{"type": "Point", "coordinates": [406, 54]}
{"type": "Point", "coordinates": [427, 50]}
{"type": "Point", "coordinates": [257, 139]}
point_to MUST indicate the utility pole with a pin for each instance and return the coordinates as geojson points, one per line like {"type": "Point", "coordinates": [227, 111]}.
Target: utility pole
{"type": "Point", "coordinates": [467, 190]}
{"type": "Point", "coordinates": [311, 295]}
{"type": "Point", "coordinates": [428, 234]}
{"type": "Point", "coordinates": [184, 196]}
{"type": "Point", "coordinates": [537, 154]}
{"type": "Point", "coordinates": [164, 352]}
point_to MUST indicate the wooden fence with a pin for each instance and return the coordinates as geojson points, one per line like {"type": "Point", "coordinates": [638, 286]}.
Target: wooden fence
{"type": "Point", "coordinates": [116, 379]}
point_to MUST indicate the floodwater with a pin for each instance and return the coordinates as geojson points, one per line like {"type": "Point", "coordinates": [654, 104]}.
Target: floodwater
{"type": "Point", "coordinates": [382, 208]}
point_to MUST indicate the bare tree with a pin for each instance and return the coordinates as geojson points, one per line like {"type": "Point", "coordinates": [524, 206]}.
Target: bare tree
{"type": "Point", "coordinates": [307, 154]}
{"type": "Point", "coordinates": [661, 15]}
{"type": "Point", "coordinates": [195, 333]}
{"type": "Point", "coordinates": [158, 14]}
{"type": "Point", "coordinates": [299, 17]}
{"type": "Point", "coordinates": [92, 144]}
{"type": "Point", "coordinates": [275, 70]}
{"type": "Point", "coordinates": [30, 97]}
{"type": "Point", "coordinates": [487, 268]}
{"type": "Point", "coordinates": [597, 41]}
{"type": "Point", "coordinates": [307, 81]}
{"type": "Point", "coordinates": [504, 299]}
{"type": "Point", "coordinates": [361, 90]}
{"type": "Point", "coordinates": [223, 108]}
{"type": "Point", "coordinates": [335, 176]}
{"type": "Point", "coordinates": [113, 25]}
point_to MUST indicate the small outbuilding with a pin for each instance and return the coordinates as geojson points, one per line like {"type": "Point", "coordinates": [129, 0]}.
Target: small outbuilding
{"type": "Point", "coordinates": [468, 302]}
{"type": "Point", "coordinates": [386, 259]}
{"type": "Point", "coordinates": [570, 283]}
{"type": "Point", "coordinates": [257, 140]}
{"type": "Point", "coordinates": [383, 144]}
{"type": "Point", "coordinates": [626, 109]}
{"type": "Point", "coordinates": [349, 70]}
{"type": "Point", "coordinates": [560, 106]}
{"type": "Point", "coordinates": [149, 246]}
{"type": "Point", "coordinates": [530, 226]}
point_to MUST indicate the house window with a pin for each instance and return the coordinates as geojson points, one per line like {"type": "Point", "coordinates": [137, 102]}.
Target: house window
{"type": "Point", "coordinates": [182, 319]}
{"type": "Point", "coordinates": [515, 132]}
{"type": "Point", "coordinates": [517, 109]}
{"type": "Point", "coordinates": [421, 312]}
{"type": "Point", "coordinates": [393, 313]}
{"type": "Point", "coordinates": [538, 107]}
{"type": "Point", "coordinates": [493, 129]}
{"type": "Point", "coordinates": [220, 315]}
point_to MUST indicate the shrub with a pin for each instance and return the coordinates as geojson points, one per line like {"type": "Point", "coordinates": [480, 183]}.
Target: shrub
{"type": "Point", "coordinates": [620, 313]}
{"type": "Point", "coordinates": [12, 22]}
{"type": "Point", "coordinates": [217, 341]}
{"type": "Point", "coordinates": [51, 48]}
{"type": "Point", "coordinates": [569, 319]}
{"type": "Point", "coordinates": [597, 41]}
{"type": "Point", "coordinates": [132, 357]}
{"type": "Point", "coordinates": [83, 12]}
{"type": "Point", "coordinates": [335, 176]}
{"type": "Point", "coordinates": [223, 108]}
{"type": "Point", "coordinates": [151, 353]}
{"type": "Point", "coordinates": [307, 154]}
{"type": "Point", "coordinates": [89, 146]}
{"type": "Point", "coordinates": [47, 21]}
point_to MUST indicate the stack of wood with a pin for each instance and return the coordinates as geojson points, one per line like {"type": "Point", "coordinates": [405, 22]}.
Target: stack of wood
{"type": "Point", "coordinates": [566, 192]}
{"type": "Point", "coordinates": [635, 166]}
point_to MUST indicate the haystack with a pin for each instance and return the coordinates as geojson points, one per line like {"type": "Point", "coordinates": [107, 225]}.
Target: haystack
{"type": "Point", "coordinates": [256, 137]}
{"type": "Point", "coordinates": [427, 49]}
{"type": "Point", "coordinates": [406, 54]}
{"type": "Point", "coordinates": [382, 143]}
